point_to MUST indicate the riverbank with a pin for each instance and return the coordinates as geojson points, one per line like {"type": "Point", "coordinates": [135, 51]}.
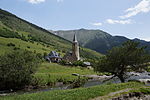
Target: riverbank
{"type": "Point", "coordinates": [53, 76]}
{"type": "Point", "coordinates": [48, 74]}
{"type": "Point", "coordinates": [74, 94]}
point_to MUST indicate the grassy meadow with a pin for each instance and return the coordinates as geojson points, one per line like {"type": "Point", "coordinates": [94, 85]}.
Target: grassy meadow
{"type": "Point", "coordinates": [74, 94]}
{"type": "Point", "coordinates": [37, 47]}
{"type": "Point", "coordinates": [52, 73]}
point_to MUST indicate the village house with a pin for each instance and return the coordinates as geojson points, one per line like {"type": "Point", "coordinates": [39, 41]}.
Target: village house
{"type": "Point", "coordinates": [53, 56]}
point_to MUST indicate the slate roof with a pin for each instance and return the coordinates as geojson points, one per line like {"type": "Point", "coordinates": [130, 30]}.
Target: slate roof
{"type": "Point", "coordinates": [54, 54]}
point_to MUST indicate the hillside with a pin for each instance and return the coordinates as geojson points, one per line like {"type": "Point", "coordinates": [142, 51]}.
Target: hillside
{"type": "Point", "coordinates": [16, 33]}
{"type": "Point", "coordinates": [97, 40]}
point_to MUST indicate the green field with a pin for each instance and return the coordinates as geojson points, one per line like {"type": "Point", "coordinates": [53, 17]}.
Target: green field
{"type": "Point", "coordinates": [52, 73]}
{"type": "Point", "coordinates": [74, 94]}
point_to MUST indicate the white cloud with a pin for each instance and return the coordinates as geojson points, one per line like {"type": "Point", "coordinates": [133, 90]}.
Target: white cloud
{"type": "Point", "coordinates": [35, 1]}
{"type": "Point", "coordinates": [60, 0]}
{"type": "Point", "coordinates": [96, 24]}
{"type": "Point", "coordinates": [111, 21]}
{"type": "Point", "coordinates": [142, 7]}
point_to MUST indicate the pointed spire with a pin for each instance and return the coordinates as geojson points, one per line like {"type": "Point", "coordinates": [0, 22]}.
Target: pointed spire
{"type": "Point", "coordinates": [75, 38]}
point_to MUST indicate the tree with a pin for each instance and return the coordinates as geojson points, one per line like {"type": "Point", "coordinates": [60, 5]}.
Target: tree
{"type": "Point", "coordinates": [16, 69]}
{"type": "Point", "coordinates": [119, 60]}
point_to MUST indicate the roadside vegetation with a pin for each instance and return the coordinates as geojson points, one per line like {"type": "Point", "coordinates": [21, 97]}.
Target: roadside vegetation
{"type": "Point", "coordinates": [74, 94]}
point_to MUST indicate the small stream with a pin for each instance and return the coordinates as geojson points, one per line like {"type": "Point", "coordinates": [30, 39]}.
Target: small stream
{"type": "Point", "coordinates": [94, 82]}
{"type": "Point", "coordinates": [91, 82]}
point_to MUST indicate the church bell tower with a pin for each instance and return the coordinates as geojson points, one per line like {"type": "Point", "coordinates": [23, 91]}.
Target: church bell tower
{"type": "Point", "coordinates": [75, 49]}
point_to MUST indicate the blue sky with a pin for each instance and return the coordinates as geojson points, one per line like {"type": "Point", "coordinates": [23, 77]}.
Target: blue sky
{"type": "Point", "coordinates": [130, 18]}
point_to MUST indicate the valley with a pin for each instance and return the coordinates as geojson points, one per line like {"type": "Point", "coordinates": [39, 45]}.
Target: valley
{"type": "Point", "coordinates": [33, 64]}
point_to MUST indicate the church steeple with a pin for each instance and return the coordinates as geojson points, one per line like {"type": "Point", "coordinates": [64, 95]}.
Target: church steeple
{"type": "Point", "coordinates": [74, 55]}
{"type": "Point", "coordinates": [75, 38]}
{"type": "Point", "coordinates": [75, 49]}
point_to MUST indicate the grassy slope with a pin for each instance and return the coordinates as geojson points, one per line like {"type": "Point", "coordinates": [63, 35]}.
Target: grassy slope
{"type": "Point", "coordinates": [14, 24]}
{"type": "Point", "coordinates": [39, 48]}
{"type": "Point", "coordinates": [51, 73]}
{"type": "Point", "coordinates": [74, 94]}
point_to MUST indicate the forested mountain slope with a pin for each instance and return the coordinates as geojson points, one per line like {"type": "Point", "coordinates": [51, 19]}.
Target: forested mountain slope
{"type": "Point", "coordinates": [97, 40]}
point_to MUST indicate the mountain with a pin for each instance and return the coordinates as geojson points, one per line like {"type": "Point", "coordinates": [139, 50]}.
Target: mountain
{"type": "Point", "coordinates": [97, 40]}
{"type": "Point", "coordinates": [16, 33]}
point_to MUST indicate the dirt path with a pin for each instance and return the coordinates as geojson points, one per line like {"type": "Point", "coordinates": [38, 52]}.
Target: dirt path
{"type": "Point", "coordinates": [111, 94]}
{"type": "Point", "coordinates": [116, 94]}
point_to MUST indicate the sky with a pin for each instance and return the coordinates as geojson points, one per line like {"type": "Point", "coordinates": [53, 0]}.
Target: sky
{"type": "Point", "coordinates": [130, 18]}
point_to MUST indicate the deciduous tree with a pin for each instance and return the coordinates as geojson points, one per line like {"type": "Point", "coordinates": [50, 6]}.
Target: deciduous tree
{"type": "Point", "coordinates": [119, 60]}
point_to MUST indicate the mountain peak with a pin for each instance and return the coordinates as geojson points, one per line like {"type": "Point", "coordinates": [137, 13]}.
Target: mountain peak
{"type": "Point", "coordinates": [97, 40]}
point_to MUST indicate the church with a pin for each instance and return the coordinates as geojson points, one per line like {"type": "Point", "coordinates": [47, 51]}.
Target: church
{"type": "Point", "coordinates": [73, 55]}
{"type": "Point", "coordinates": [70, 56]}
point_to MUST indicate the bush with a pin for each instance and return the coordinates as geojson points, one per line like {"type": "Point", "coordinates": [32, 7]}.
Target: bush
{"type": "Point", "coordinates": [16, 69]}
{"type": "Point", "coordinates": [79, 82]}
{"type": "Point", "coordinates": [28, 47]}
{"type": "Point", "coordinates": [11, 44]}
{"type": "Point", "coordinates": [16, 48]}
{"type": "Point", "coordinates": [40, 56]}
{"type": "Point", "coordinates": [4, 32]}
{"type": "Point", "coordinates": [63, 62]}
{"type": "Point", "coordinates": [78, 63]}
{"type": "Point", "coordinates": [45, 54]}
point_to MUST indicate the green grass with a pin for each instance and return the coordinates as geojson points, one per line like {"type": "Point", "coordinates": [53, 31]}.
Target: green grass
{"type": "Point", "coordinates": [39, 48]}
{"type": "Point", "coordinates": [74, 94]}
{"type": "Point", "coordinates": [145, 90]}
{"type": "Point", "coordinates": [50, 72]}
{"type": "Point", "coordinates": [148, 69]}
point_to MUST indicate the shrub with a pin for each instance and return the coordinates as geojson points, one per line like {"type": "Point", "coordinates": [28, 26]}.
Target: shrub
{"type": "Point", "coordinates": [78, 63]}
{"type": "Point", "coordinates": [10, 44]}
{"type": "Point", "coordinates": [79, 82]}
{"type": "Point", "coordinates": [16, 48]}
{"type": "Point", "coordinates": [40, 56]}
{"type": "Point", "coordinates": [23, 38]}
{"type": "Point", "coordinates": [28, 47]}
{"type": "Point", "coordinates": [4, 32]}
{"type": "Point", "coordinates": [45, 54]}
{"type": "Point", "coordinates": [63, 62]}
{"type": "Point", "coordinates": [16, 69]}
